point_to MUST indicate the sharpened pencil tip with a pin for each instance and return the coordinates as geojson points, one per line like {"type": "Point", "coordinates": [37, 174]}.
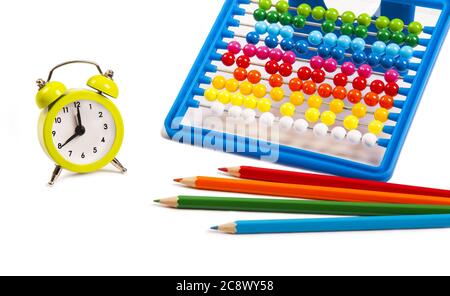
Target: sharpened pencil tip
{"type": "Point", "coordinates": [225, 170]}
{"type": "Point", "coordinates": [178, 180]}
{"type": "Point", "coordinates": [215, 228]}
{"type": "Point", "coordinates": [157, 201]}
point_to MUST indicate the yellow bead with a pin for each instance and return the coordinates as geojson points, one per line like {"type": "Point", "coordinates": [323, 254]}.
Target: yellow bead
{"type": "Point", "coordinates": [224, 97]}
{"type": "Point", "coordinates": [287, 109]}
{"type": "Point", "coordinates": [264, 105]}
{"type": "Point", "coordinates": [237, 99]}
{"type": "Point", "coordinates": [250, 102]}
{"type": "Point", "coordinates": [260, 90]}
{"type": "Point", "coordinates": [246, 88]}
{"type": "Point", "coordinates": [376, 127]}
{"type": "Point", "coordinates": [297, 98]}
{"type": "Point", "coordinates": [232, 85]}
{"type": "Point", "coordinates": [351, 122]}
{"type": "Point", "coordinates": [337, 106]}
{"type": "Point", "coordinates": [315, 101]}
{"type": "Point", "coordinates": [219, 82]}
{"type": "Point", "coordinates": [312, 115]}
{"type": "Point", "coordinates": [382, 115]}
{"type": "Point", "coordinates": [277, 94]}
{"type": "Point", "coordinates": [328, 117]}
{"type": "Point", "coordinates": [211, 94]}
{"type": "Point", "coordinates": [359, 110]}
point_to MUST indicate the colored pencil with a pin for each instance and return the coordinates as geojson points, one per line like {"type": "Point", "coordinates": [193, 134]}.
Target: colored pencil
{"type": "Point", "coordinates": [279, 176]}
{"type": "Point", "coordinates": [308, 192]}
{"type": "Point", "coordinates": [298, 206]}
{"type": "Point", "coordinates": [336, 224]}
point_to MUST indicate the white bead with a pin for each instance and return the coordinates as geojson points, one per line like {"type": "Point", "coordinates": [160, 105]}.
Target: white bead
{"type": "Point", "coordinates": [370, 140]}
{"type": "Point", "coordinates": [235, 112]}
{"type": "Point", "coordinates": [217, 109]}
{"type": "Point", "coordinates": [320, 130]}
{"type": "Point", "coordinates": [286, 122]}
{"type": "Point", "coordinates": [354, 137]}
{"type": "Point", "coordinates": [267, 119]}
{"type": "Point", "coordinates": [339, 133]}
{"type": "Point", "coordinates": [301, 126]}
{"type": "Point", "coordinates": [248, 115]}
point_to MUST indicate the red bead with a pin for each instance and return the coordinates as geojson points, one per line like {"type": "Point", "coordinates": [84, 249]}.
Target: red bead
{"type": "Point", "coordinates": [325, 90]}
{"type": "Point", "coordinates": [309, 87]}
{"type": "Point", "coordinates": [286, 69]}
{"type": "Point", "coordinates": [304, 73]}
{"type": "Point", "coordinates": [240, 74]}
{"type": "Point", "coordinates": [254, 76]}
{"type": "Point", "coordinates": [354, 96]}
{"type": "Point", "coordinates": [371, 99]}
{"type": "Point", "coordinates": [340, 79]}
{"type": "Point", "coordinates": [272, 67]}
{"type": "Point", "coordinates": [391, 89]}
{"type": "Point", "coordinates": [228, 59]}
{"type": "Point", "coordinates": [340, 92]}
{"type": "Point", "coordinates": [295, 84]}
{"type": "Point", "coordinates": [276, 80]}
{"type": "Point", "coordinates": [387, 102]}
{"type": "Point", "coordinates": [377, 86]}
{"type": "Point", "coordinates": [243, 61]}
{"type": "Point", "coordinates": [318, 76]}
{"type": "Point", "coordinates": [360, 83]}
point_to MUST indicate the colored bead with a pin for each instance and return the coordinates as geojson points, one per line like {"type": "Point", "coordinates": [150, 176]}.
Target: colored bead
{"type": "Point", "coordinates": [330, 39]}
{"type": "Point", "coordinates": [217, 109]}
{"type": "Point", "coordinates": [338, 133]}
{"type": "Point", "coordinates": [340, 79]}
{"type": "Point", "coordinates": [219, 82]}
{"type": "Point", "coordinates": [304, 10]}
{"type": "Point", "coordinates": [344, 42]}
{"type": "Point", "coordinates": [315, 101]}
{"type": "Point", "coordinates": [252, 38]}
{"type": "Point", "coordinates": [324, 51]}
{"type": "Point", "coordinates": [261, 27]}
{"type": "Point", "coordinates": [234, 47]}
{"type": "Point", "coordinates": [316, 62]}
{"type": "Point", "coordinates": [299, 21]}
{"type": "Point", "coordinates": [328, 117]}
{"type": "Point", "coordinates": [260, 90]}
{"type": "Point", "coordinates": [235, 112]}
{"type": "Point", "coordinates": [276, 54]}
{"type": "Point", "coordinates": [369, 140]}
{"type": "Point", "coordinates": [373, 60]}
{"type": "Point", "coordinates": [340, 92]}
{"type": "Point", "coordinates": [282, 6]}
{"type": "Point", "coordinates": [265, 4]}
{"type": "Point", "coordinates": [264, 105]}
{"type": "Point", "coordinates": [277, 94]}
{"type": "Point", "coordinates": [338, 53]}
{"type": "Point", "coordinates": [301, 47]}
{"type": "Point", "coordinates": [391, 89]}
{"type": "Point", "coordinates": [240, 74]}
{"type": "Point", "coordinates": [297, 98]}
{"type": "Point", "coordinates": [250, 102]}
{"type": "Point", "coordinates": [392, 49]}
{"type": "Point", "coordinates": [318, 13]}
{"type": "Point", "coordinates": [289, 57]}
{"type": "Point", "coordinates": [415, 28]}
{"type": "Point", "coordinates": [287, 109]}
{"type": "Point", "coordinates": [387, 102]}
{"type": "Point", "coordinates": [248, 115]}
{"type": "Point", "coordinates": [391, 76]}
{"type": "Point", "coordinates": [407, 52]}
{"type": "Point", "coordinates": [309, 87]}
{"type": "Point", "coordinates": [260, 15]}
{"type": "Point", "coordinates": [287, 32]}
{"type": "Point", "coordinates": [387, 62]}
{"type": "Point", "coordinates": [271, 41]}
{"type": "Point", "coordinates": [354, 96]}
{"type": "Point", "coordinates": [285, 70]}
{"type": "Point", "coordinates": [351, 122]}
{"type": "Point", "coordinates": [381, 114]}
{"type": "Point", "coordinates": [211, 94]}
{"type": "Point", "coordinates": [359, 83]}
{"type": "Point", "coordinates": [359, 110]}
{"type": "Point", "coordinates": [320, 130]}
{"type": "Point", "coordinates": [361, 31]}
{"type": "Point", "coordinates": [295, 84]}
{"type": "Point", "coordinates": [254, 76]}
{"type": "Point", "coordinates": [276, 80]}
{"type": "Point", "coordinates": [232, 85]}
{"type": "Point", "coordinates": [286, 19]}
{"type": "Point", "coordinates": [354, 137]}
{"type": "Point", "coordinates": [287, 44]}
{"type": "Point", "coordinates": [228, 59]}
{"type": "Point", "coordinates": [376, 127]}
{"type": "Point", "coordinates": [365, 71]}
{"type": "Point", "coordinates": [358, 44]}
{"type": "Point", "coordinates": [364, 20]}
{"type": "Point", "coordinates": [412, 40]}
{"type": "Point", "coordinates": [312, 115]}
{"type": "Point", "coordinates": [337, 106]}
{"type": "Point", "coordinates": [330, 65]}
{"type": "Point", "coordinates": [348, 17]}
{"type": "Point", "coordinates": [246, 88]}
{"type": "Point", "coordinates": [384, 35]}
{"type": "Point", "coordinates": [267, 119]}
{"type": "Point", "coordinates": [379, 47]}
{"type": "Point", "coordinates": [243, 61]}
{"type": "Point", "coordinates": [272, 67]}
{"type": "Point", "coordinates": [402, 64]}
{"type": "Point", "coordinates": [286, 122]}
{"type": "Point", "coordinates": [371, 99]}
{"type": "Point", "coordinates": [382, 23]}
{"type": "Point", "coordinates": [348, 68]}
{"type": "Point", "coordinates": [325, 90]}
{"type": "Point", "coordinates": [273, 17]}
{"type": "Point", "coordinates": [301, 126]}
{"type": "Point", "coordinates": [332, 14]}
{"type": "Point", "coordinates": [328, 26]}
{"type": "Point", "coordinates": [237, 99]}
{"type": "Point", "coordinates": [274, 29]}
{"type": "Point", "coordinates": [224, 97]}
{"type": "Point", "coordinates": [304, 73]}
{"type": "Point", "coordinates": [377, 86]}
{"type": "Point", "coordinates": [347, 29]}
{"type": "Point", "coordinates": [398, 37]}
{"type": "Point", "coordinates": [249, 50]}
{"type": "Point", "coordinates": [396, 25]}
{"type": "Point", "coordinates": [318, 76]}
{"type": "Point", "coordinates": [263, 52]}
{"type": "Point", "coordinates": [315, 37]}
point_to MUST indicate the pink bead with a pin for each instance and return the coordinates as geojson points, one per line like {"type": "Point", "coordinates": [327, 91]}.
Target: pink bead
{"type": "Point", "coordinates": [276, 54]}
{"type": "Point", "coordinates": [289, 57]}
{"type": "Point", "coordinates": [365, 71]}
{"type": "Point", "coordinates": [263, 52]}
{"type": "Point", "coordinates": [250, 50]}
{"type": "Point", "coordinates": [348, 68]}
{"type": "Point", "coordinates": [234, 47]}
{"type": "Point", "coordinates": [330, 65]}
{"type": "Point", "coordinates": [317, 62]}
{"type": "Point", "coordinates": [391, 76]}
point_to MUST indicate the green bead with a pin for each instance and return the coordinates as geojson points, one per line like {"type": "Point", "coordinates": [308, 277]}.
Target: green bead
{"type": "Point", "coordinates": [282, 6]}
{"type": "Point", "coordinates": [299, 21]}
{"type": "Point", "coordinates": [415, 28]}
{"type": "Point", "coordinates": [328, 26]}
{"type": "Point", "coordinates": [304, 9]}
{"type": "Point", "coordinates": [384, 35]}
{"type": "Point", "coordinates": [382, 22]}
{"type": "Point", "coordinates": [318, 13]}
{"type": "Point", "coordinates": [332, 14]}
{"type": "Point", "coordinates": [361, 31]}
{"type": "Point", "coordinates": [260, 15]}
{"type": "Point", "coordinates": [286, 19]}
{"type": "Point", "coordinates": [273, 17]}
{"type": "Point", "coordinates": [348, 17]}
{"type": "Point", "coordinates": [364, 19]}
{"type": "Point", "coordinates": [347, 29]}
{"type": "Point", "coordinates": [398, 37]}
{"type": "Point", "coordinates": [396, 25]}
{"type": "Point", "coordinates": [412, 40]}
{"type": "Point", "coordinates": [265, 4]}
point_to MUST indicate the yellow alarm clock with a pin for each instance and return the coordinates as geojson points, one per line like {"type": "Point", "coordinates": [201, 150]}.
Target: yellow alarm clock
{"type": "Point", "coordinates": [81, 130]}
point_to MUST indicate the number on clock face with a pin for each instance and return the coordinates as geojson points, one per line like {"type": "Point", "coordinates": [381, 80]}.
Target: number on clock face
{"type": "Point", "coordinates": [86, 143]}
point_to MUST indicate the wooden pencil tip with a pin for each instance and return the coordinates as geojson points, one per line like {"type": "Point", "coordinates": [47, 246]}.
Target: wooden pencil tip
{"type": "Point", "coordinates": [157, 201]}
{"type": "Point", "coordinates": [178, 180]}
{"type": "Point", "coordinates": [215, 228]}
{"type": "Point", "coordinates": [225, 170]}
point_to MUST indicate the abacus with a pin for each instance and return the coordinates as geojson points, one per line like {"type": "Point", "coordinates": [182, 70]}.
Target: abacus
{"type": "Point", "coordinates": [340, 89]}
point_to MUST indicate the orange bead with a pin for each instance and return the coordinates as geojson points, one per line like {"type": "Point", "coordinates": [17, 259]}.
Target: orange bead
{"type": "Point", "coordinates": [295, 84]}
{"type": "Point", "coordinates": [240, 74]}
{"type": "Point", "coordinates": [325, 90]}
{"type": "Point", "coordinates": [340, 92]}
{"type": "Point", "coordinates": [276, 80]}
{"type": "Point", "coordinates": [387, 102]}
{"type": "Point", "coordinates": [254, 76]}
{"type": "Point", "coordinates": [309, 87]}
{"type": "Point", "coordinates": [371, 99]}
{"type": "Point", "coordinates": [354, 96]}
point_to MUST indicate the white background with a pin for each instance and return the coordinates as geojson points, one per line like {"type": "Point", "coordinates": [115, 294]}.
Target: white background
{"type": "Point", "coordinates": [105, 223]}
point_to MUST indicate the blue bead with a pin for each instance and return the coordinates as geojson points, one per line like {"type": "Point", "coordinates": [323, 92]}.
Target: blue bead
{"type": "Point", "coordinates": [358, 44]}
{"type": "Point", "coordinates": [392, 49]}
{"type": "Point", "coordinates": [315, 37]}
{"type": "Point", "coordinates": [330, 39]}
{"type": "Point", "coordinates": [359, 57]}
{"type": "Point", "coordinates": [271, 41]}
{"type": "Point", "coordinates": [338, 53]}
{"type": "Point", "coordinates": [287, 44]}
{"type": "Point", "coordinates": [301, 47]}
{"type": "Point", "coordinates": [407, 52]}
{"type": "Point", "coordinates": [261, 28]}
{"type": "Point", "coordinates": [274, 30]}
{"type": "Point", "coordinates": [402, 64]}
{"type": "Point", "coordinates": [344, 42]}
{"type": "Point", "coordinates": [252, 38]}
{"type": "Point", "coordinates": [379, 47]}
{"type": "Point", "coordinates": [287, 32]}
{"type": "Point", "coordinates": [324, 51]}
{"type": "Point", "coordinates": [387, 62]}
{"type": "Point", "coordinates": [373, 60]}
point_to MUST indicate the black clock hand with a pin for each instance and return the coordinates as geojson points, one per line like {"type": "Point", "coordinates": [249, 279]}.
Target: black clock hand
{"type": "Point", "coordinates": [79, 117]}
{"type": "Point", "coordinates": [70, 140]}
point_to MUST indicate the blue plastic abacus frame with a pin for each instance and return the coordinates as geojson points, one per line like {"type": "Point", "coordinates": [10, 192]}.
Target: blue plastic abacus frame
{"type": "Point", "coordinates": [293, 156]}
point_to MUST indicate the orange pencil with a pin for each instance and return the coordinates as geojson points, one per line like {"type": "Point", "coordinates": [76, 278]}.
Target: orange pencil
{"type": "Point", "coordinates": [308, 192]}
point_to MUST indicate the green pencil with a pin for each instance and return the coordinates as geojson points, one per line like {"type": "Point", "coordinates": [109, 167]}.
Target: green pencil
{"type": "Point", "coordinates": [294, 206]}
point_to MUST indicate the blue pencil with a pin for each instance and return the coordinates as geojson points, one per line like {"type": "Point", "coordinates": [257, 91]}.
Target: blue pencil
{"type": "Point", "coordinates": [336, 224]}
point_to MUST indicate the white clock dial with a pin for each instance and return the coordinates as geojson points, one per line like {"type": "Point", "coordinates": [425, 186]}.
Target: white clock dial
{"type": "Point", "coordinates": [86, 142]}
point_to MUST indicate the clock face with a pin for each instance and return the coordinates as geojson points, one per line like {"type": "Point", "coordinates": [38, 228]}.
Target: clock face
{"type": "Point", "coordinates": [83, 132]}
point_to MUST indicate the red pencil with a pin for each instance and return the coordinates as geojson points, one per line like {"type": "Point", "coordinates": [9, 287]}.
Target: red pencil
{"type": "Point", "coordinates": [270, 175]}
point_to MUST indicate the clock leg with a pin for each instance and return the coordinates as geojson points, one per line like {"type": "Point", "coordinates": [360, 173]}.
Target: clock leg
{"type": "Point", "coordinates": [55, 175]}
{"type": "Point", "coordinates": [118, 165]}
